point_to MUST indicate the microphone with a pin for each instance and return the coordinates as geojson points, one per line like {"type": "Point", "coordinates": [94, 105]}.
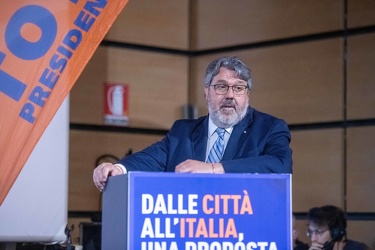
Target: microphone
{"type": "Point", "coordinates": [328, 245]}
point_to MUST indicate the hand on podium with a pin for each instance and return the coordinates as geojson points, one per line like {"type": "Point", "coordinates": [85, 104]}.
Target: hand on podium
{"type": "Point", "coordinates": [103, 171]}
{"type": "Point", "coordinates": [193, 166]}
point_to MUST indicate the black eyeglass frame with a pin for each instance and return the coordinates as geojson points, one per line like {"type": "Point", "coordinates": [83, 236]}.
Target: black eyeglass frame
{"type": "Point", "coordinates": [310, 232]}
{"type": "Point", "coordinates": [237, 89]}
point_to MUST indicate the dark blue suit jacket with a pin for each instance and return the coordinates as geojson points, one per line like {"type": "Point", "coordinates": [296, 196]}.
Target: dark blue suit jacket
{"type": "Point", "coordinates": [259, 143]}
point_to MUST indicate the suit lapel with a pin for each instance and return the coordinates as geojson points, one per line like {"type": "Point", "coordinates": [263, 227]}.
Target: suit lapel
{"type": "Point", "coordinates": [199, 139]}
{"type": "Point", "coordinates": [239, 133]}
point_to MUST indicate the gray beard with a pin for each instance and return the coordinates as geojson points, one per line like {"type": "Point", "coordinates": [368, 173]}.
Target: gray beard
{"type": "Point", "coordinates": [223, 121]}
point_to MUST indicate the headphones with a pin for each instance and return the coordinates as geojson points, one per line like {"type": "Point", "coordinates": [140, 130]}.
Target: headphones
{"type": "Point", "coordinates": [337, 233]}
{"type": "Point", "coordinates": [338, 230]}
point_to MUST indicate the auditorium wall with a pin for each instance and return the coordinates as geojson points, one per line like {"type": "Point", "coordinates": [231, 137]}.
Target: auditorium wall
{"type": "Point", "coordinates": [312, 65]}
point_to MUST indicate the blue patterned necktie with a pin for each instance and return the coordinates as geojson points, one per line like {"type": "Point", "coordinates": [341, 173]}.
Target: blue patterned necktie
{"type": "Point", "coordinates": [217, 150]}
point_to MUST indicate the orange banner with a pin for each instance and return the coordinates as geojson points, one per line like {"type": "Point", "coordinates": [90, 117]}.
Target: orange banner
{"type": "Point", "coordinates": [44, 47]}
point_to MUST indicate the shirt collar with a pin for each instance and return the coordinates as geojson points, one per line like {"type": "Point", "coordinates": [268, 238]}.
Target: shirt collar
{"type": "Point", "coordinates": [212, 127]}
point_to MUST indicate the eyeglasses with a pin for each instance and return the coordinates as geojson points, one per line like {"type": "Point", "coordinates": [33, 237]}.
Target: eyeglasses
{"type": "Point", "coordinates": [222, 89]}
{"type": "Point", "coordinates": [318, 232]}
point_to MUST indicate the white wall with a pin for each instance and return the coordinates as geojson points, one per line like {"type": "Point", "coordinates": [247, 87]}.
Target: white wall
{"type": "Point", "coordinates": [35, 209]}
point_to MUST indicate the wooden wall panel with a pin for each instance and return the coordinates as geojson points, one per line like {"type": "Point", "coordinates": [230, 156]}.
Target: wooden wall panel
{"type": "Point", "coordinates": [361, 170]}
{"type": "Point", "coordinates": [76, 232]}
{"type": "Point", "coordinates": [223, 23]}
{"type": "Point", "coordinates": [85, 148]}
{"type": "Point", "coordinates": [163, 23]}
{"type": "Point", "coordinates": [301, 226]}
{"type": "Point", "coordinates": [318, 177]}
{"type": "Point", "coordinates": [86, 96]}
{"type": "Point", "coordinates": [300, 83]}
{"type": "Point", "coordinates": [361, 13]}
{"type": "Point", "coordinates": [361, 77]}
{"type": "Point", "coordinates": [158, 87]}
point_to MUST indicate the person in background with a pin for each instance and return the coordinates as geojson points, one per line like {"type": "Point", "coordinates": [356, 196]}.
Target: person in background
{"type": "Point", "coordinates": [297, 244]}
{"type": "Point", "coordinates": [327, 230]}
{"type": "Point", "coordinates": [233, 138]}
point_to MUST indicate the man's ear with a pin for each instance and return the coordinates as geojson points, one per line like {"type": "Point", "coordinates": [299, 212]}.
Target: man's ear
{"type": "Point", "coordinates": [205, 92]}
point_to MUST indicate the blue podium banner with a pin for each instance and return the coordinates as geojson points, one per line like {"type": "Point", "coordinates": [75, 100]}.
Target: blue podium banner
{"type": "Point", "coordinates": [209, 211]}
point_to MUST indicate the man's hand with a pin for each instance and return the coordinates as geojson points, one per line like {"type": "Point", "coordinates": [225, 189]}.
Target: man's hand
{"type": "Point", "coordinates": [316, 246]}
{"type": "Point", "coordinates": [193, 166]}
{"type": "Point", "coordinates": [102, 172]}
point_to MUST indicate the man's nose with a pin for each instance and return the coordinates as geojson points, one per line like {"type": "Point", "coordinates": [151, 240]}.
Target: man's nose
{"type": "Point", "coordinates": [230, 93]}
{"type": "Point", "coordinates": [314, 237]}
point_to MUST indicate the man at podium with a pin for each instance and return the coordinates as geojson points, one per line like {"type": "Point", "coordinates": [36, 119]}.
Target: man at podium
{"type": "Point", "coordinates": [233, 138]}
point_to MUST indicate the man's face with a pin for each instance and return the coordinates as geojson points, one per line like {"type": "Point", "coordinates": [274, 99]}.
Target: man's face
{"type": "Point", "coordinates": [227, 109]}
{"type": "Point", "coordinates": [319, 234]}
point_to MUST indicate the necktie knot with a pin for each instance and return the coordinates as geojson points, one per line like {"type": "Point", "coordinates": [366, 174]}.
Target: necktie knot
{"type": "Point", "coordinates": [220, 132]}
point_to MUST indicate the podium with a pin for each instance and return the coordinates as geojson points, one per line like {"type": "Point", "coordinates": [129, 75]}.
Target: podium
{"type": "Point", "coordinates": [146, 211]}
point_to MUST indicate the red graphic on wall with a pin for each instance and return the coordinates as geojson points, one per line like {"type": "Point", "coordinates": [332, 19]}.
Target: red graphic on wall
{"type": "Point", "coordinates": [116, 109]}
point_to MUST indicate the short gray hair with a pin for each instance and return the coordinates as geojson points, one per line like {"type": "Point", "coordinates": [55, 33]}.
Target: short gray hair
{"type": "Point", "coordinates": [231, 63]}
